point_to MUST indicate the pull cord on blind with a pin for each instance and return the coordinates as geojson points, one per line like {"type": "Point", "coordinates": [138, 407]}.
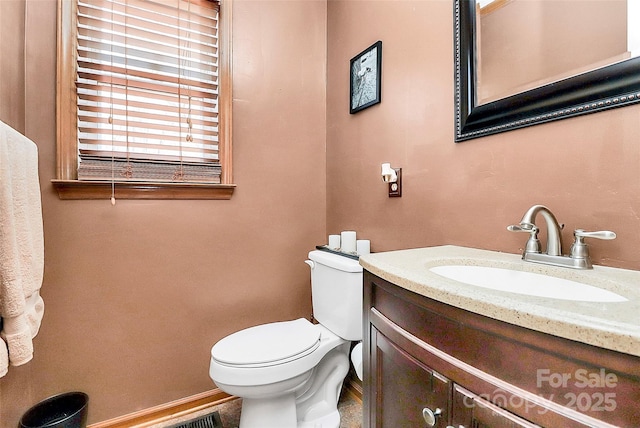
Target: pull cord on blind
{"type": "Point", "coordinates": [147, 90]}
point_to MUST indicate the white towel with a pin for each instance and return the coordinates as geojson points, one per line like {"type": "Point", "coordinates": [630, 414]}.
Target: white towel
{"type": "Point", "coordinates": [21, 248]}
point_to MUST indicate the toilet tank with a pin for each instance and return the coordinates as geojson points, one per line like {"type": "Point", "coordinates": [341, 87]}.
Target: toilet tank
{"type": "Point", "coordinates": [336, 291]}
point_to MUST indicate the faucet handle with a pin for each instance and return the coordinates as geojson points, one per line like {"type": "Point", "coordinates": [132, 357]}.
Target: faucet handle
{"type": "Point", "coordinates": [601, 234]}
{"type": "Point", "coordinates": [523, 227]}
{"type": "Point", "coordinates": [580, 250]}
{"type": "Point", "coordinates": [533, 243]}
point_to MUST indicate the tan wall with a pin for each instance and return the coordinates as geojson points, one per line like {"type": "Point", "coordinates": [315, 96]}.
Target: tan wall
{"type": "Point", "coordinates": [136, 294]}
{"type": "Point", "coordinates": [134, 328]}
{"type": "Point", "coordinates": [585, 169]}
{"type": "Point", "coordinates": [12, 18]}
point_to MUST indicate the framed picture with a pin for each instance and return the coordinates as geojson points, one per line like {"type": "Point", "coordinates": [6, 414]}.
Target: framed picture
{"type": "Point", "coordinates": [366, 76]}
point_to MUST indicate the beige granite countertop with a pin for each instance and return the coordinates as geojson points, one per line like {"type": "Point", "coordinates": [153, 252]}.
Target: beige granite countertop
{"type": "Point", "coordinates": [614, 326]}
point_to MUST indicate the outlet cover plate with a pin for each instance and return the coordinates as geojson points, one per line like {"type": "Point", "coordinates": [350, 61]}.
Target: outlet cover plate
{"type": "Point", "coordinates": [395, 189]}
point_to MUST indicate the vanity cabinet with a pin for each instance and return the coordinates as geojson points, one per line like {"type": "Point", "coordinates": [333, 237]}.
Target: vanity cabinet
{"type": "Point", "coordinates": [427, 363]}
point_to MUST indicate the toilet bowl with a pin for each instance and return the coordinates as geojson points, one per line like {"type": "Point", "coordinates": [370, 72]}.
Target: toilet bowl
{"type": "Point", "coordinates": [290, 373]}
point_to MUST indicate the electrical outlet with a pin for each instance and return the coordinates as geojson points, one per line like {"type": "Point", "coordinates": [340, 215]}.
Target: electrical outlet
{"type": "Point", "coordinates": [395, 189]}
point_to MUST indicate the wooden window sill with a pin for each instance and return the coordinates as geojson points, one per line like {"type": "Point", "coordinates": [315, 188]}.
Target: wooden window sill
{"type": "Point", "coordinates": [76, 189]}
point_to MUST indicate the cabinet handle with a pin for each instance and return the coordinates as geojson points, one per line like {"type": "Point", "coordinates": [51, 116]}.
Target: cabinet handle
{"type": "Point", "coordinates": [430, 416]}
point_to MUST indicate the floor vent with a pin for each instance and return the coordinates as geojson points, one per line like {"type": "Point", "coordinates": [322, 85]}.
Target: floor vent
{"type": "Point", "coordinates": [211, 420]}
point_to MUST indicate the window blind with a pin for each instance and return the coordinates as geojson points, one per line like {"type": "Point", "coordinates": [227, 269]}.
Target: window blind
{"type": "Point", "coordinates": [147, 90]}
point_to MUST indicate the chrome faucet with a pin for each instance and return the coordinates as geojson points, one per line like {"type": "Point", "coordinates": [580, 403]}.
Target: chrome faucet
{"type": "Point", "coordinates": [579, 255]}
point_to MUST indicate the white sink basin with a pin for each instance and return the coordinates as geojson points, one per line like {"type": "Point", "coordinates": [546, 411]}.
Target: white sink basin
{"type": "Point", "coordinates": [528, 283]}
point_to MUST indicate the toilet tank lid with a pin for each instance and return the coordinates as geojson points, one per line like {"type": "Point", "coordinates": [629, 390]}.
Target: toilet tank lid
{"type": "Point", "coordinates": [335, 261]}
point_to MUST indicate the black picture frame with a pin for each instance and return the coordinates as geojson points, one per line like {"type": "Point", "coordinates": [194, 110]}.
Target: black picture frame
{"type": "Point", "coordinates": [365, 83]}
{"type": "Point", "coordinates": [612, 86]}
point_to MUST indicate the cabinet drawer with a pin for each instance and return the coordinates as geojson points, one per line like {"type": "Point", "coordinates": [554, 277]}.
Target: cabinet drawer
{"type": "Point", "coordinates": [471, 411]}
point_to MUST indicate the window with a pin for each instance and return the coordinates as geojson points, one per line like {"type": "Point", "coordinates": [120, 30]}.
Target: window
{"type": "Point", "coordinates": [144, 99]}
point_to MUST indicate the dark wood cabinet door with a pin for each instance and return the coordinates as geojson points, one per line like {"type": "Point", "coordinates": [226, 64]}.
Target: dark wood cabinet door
{"type": "Point", "coordinates": [406, 389]}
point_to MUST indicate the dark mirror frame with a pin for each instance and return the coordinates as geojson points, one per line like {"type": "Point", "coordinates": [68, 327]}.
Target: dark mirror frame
{"type": "Point", "coordinates": [608, 87]}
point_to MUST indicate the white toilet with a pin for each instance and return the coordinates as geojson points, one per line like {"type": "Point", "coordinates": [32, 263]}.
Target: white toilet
{"type": "Point", "coordinates": [289, 374]}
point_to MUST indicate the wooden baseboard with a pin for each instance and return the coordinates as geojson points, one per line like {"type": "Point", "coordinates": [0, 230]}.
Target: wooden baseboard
{"type": "Point", "coordinates": [167, 411]}
{"type": "Point", "coordinates": [353, 386]}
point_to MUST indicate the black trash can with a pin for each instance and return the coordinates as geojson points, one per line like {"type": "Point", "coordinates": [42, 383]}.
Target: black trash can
{"type": "Point", "coordinates": [68, 410]}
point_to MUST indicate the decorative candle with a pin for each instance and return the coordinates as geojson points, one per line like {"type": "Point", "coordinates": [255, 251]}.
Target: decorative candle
{"type": "Point", "coordinates": [334, 242]}
{"type": "Point", "coordinates": [348, 241]}
{"type": "Point", "coordinates": [363, 246]}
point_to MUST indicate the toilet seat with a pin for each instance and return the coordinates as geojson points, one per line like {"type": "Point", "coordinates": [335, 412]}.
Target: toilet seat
{"type": "Point", "coordinates": [297, 360]}
{"type": "Point", "coordinates": [268, 344]}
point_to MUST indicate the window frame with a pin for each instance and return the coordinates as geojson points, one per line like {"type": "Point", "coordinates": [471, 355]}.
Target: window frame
{"type": "Point", "coordinates": [66, 181]}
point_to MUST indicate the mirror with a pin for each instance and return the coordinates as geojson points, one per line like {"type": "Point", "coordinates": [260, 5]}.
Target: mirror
{"type": "Point", "coordinates": [501, 85]}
